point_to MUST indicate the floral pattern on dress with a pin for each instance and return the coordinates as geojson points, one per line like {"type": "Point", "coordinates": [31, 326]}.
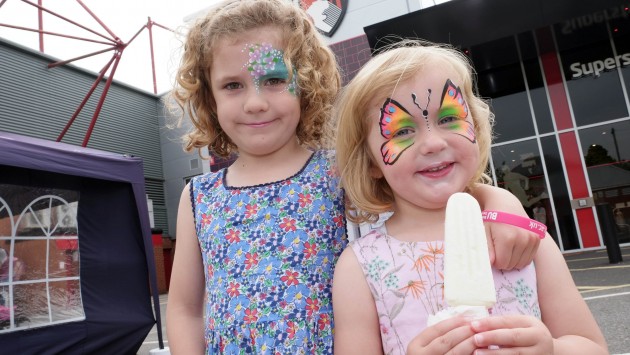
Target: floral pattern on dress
{"type": "Point", "coordinates": [406, 280]}
{"type": "Point", "coordinates": [269, 253]}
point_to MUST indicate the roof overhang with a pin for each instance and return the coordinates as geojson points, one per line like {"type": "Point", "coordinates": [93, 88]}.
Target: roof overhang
{"type": "Point", "coordinates": [465, 23]}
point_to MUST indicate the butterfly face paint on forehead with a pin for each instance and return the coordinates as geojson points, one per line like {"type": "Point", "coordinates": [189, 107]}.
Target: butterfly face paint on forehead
{"type": "Point", "coordinates": [425, 112]}
{"type": "Point", "coordinates": [395, 123]}
{"type": "Point", "coordinates": [453, 112]}
{"type": "Point", "coordinates": [266, 62]}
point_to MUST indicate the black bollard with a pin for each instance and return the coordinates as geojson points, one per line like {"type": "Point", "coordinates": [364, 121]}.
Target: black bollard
{"type": "Point", "coordinates": [609, 232]}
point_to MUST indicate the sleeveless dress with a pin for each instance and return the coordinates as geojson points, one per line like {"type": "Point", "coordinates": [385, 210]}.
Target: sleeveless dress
{"type": "Point", "coordinates": [406, 280]}
{"type": "Point", "coordinates": [269, 253]}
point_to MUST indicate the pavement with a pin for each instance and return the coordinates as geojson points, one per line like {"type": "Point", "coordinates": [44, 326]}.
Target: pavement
{"type": "Point", "coordinates": [604, 286]}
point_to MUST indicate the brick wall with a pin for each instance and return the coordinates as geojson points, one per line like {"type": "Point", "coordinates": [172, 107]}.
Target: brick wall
{"type": "Point", "coordinates": [351, 55]}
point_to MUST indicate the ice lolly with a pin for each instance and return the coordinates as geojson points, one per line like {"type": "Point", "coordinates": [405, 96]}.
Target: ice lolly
{"type": "Point", "coordinates": [468, 283]}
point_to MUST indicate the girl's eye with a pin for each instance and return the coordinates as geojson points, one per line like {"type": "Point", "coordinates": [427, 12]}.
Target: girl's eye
{"type": "Point", "coordinates": [232, 86]}
{"type": "Point", "coordinates": [447, 119]}
{"type": "Point", "coordinates": [402, 132]}
{"type": "Point", "coordinates": [275, 81]}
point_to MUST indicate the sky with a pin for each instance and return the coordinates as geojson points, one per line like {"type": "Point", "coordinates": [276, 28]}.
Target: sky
{"type": "Point", "coordinates": [124, 18]}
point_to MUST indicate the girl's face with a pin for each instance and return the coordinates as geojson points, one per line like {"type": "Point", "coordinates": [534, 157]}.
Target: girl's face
{"type": "Point", "coordinates": [257, 105]}
{"type": "Point", "coordinates": [422, 139]}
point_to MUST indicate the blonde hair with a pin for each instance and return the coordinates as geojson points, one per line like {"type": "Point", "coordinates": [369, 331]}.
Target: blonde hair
{"type": "Point", "coordinates": [305, 52]}
{"type": "Point", "coordinates": [368, 196]}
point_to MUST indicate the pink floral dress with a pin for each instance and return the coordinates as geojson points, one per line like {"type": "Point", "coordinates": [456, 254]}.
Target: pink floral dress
{"type": "Point", "coordinates": [406, 280]}
{"type": "Point", "coordinates": [269, 253]}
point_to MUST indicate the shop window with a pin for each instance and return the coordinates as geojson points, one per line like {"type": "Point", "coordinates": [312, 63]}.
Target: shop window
{"type": "Point", "coordinates": [39, 257]}
{"type": "Point", "coordinates": [518, 168]}
{"type": "Point", "coordinates": [566, 236]}
{"type": "Point", "coordinates": [606, 152]}
{"type": "Point", "coordinates": [620, 31]}
{"type": "Point", "coordinates": [501, 78]}
{"type": "Point", "coordinates": [535, 82]}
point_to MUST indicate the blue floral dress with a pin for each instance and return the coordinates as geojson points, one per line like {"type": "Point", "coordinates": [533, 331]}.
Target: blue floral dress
{"type": "Point", "coordinates": [269, 252]}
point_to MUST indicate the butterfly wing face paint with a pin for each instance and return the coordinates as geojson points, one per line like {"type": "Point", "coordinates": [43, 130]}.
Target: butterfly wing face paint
{"type": "Point", "coordinates": [395, 123]}
{"type": "Point", "coordinates": [454, 108]}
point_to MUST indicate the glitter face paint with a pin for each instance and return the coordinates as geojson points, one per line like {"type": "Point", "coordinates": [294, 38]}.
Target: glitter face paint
{"type": "Point", "coordinates": [266, 64]}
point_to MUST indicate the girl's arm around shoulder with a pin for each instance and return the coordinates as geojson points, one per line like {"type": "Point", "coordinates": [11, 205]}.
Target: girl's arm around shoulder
{"type": "Point", "coordinates": [184, 311]}
{"type": "Point", "coordinates": [564, 311]}
{"type": "Point", "coordinates": [357, 329]}
{"type": "Point", "coordinates": [510, 247]}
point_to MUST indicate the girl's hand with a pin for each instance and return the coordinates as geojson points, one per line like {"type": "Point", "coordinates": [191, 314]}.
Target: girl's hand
{"type": "Point", "coordinates": [453, 336]}
{"type": "Point", "coordinates": [509, 247]}
{"type": "Point", "coordinates": [517, 334]}
{"type": "Point", "coordinates": [512, 247]}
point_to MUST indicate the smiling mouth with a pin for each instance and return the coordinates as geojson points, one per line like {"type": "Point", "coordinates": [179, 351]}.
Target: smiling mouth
{"type": "Point", "coordinates": [259, 124]}
{"type": "Point", "coordinates": [437, 168]}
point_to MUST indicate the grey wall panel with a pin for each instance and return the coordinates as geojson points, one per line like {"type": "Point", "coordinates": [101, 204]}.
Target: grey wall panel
{"type": "Point", "coordinates": [37, 101]}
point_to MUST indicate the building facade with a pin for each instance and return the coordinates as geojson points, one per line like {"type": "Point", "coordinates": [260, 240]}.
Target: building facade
{"type": "Point", "coordinates": [557, 77]}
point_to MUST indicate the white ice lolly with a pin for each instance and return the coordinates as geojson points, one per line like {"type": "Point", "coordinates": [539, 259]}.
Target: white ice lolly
{"type": "Point", "coordinates": [468, 283]}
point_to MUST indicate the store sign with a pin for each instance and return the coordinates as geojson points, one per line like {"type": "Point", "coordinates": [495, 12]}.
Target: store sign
{"type": "Point", "coordinates": [580, 22]}
{"type": "Point", "coordinates": [327, 15]}
{"type": "Point", "coordinates": [596, 67]}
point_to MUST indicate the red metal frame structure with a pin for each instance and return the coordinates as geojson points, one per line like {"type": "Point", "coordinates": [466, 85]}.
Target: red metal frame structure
{"type": "Point", "coordinates": [113, 43]}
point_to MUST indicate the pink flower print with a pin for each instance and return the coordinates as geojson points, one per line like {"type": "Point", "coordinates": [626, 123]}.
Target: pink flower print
{"type": "Point", "coordinates": [233, 236]}
{"type": "Point", "coordinates": [206, 218]}
{"type": "Point", "coordinates": [323, 321]}
{"type": "Point", "coordinates": [251, 315]}
{"type": "Point", "coordinates": [288, 224]}
{"type": "Point", "coordinates": [310, 250]}
{"type": "Point", "coordinates": [312, 305]}
{"type": "Point", "coordinates": [305, 199]}
{"type": "Point", "coordinates": [291, 329]}
{"type": "Point", "coordinates": [290, 278]}
{"type": "Point", "coordinates": [338, 221]}
{"type": "Point", "coordinates": [251, 260]}
{"type": "Point", "coordinates": [233, 289]}
{"type": "Point", "coordinates": [250, 210]}
{"type": "Point", "coordinates": [210, 270]}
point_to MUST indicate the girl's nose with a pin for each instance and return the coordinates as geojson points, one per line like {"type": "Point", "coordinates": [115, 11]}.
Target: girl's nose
{"type": "Point", "coordinates": [431, 142]}
{"type": "Point", "coordinates": [255, 101]}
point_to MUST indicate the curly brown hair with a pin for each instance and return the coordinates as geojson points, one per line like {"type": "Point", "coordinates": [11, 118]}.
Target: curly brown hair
{"type": "Point", "coordinates": [305, 53]}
